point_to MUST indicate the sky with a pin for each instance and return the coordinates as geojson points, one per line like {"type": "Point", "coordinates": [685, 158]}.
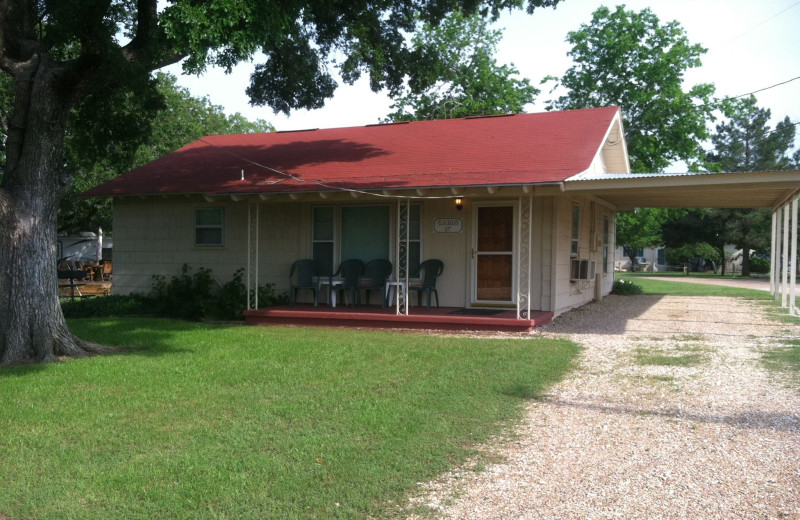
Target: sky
{"type": "Point", "coordinates": [752, 44]}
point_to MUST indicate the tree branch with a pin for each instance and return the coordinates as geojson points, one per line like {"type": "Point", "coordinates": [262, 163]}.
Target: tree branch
{"type": "Point", "coordinates": [144, 47]}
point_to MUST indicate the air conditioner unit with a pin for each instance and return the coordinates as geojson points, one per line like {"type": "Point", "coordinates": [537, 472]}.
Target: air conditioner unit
{"type": "Point", "coordinates": [581, 270]}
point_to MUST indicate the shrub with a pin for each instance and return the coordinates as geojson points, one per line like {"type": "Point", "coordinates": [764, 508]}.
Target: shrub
{"type": "Point", "coordinates": [185, 296]}
{"type": "Point", "coordinates": [106, 306]}
{"type": "Point", "coordinates": [193, 297]}
{"type": "Point", "coordinates": [188, 296]}
{"type": "Point", "coordinates": [230, 300]}
{"type": "Point", "coordinates": [627, 288]}
{"type": "Point", "coordinates": [759, 265]}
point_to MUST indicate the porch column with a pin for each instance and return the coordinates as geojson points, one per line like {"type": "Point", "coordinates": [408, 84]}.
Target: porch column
{"type": "Point", "coordinates": [793, 263]}
{"type": "Point", "coordinates": [252, 255]}
{"type": "Point", "coordinates": [401, 256]}
{"type": "Point", "coordinates": [773, 289]}
{"type": "Point", "coordinates": [785, 255]}
{"type": "Point", "coordinates": [524, 262]}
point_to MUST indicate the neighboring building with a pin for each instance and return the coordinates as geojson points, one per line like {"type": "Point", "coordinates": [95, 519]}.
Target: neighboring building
{"type": "Point", "coordinates": [532, 226]}
{"type": "Point", "coordinates": [650, 259]}
{"type": "Point", "coordinates": [85, 247]}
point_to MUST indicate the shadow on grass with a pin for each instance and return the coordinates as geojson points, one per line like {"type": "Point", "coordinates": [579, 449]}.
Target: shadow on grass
{"type": "Point", "coordinates": [140, 336]}
{"type": "Point", "coordinates": [754, 419]}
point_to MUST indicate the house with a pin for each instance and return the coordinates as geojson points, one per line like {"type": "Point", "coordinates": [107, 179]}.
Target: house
{"type": "Point", "coordinates": [650, 259]}
{"type": "Point", "coordinates": [520, 208]}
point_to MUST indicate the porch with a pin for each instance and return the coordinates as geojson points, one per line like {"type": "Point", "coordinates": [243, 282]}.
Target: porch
{"type": "Point", "coordinates": [375, 317]}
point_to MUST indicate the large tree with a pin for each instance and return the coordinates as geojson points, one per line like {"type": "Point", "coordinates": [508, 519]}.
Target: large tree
{"type": "Point", "coordinates": [117, 135]}
{"type": "Point", "coordinates": [464, 78]}
{"type": "Point", "coordinates": [631, 59]}
{"type": "Point", "coordinates": [744, 141]}
{"type": "Point", "coordinates": [62, 53]}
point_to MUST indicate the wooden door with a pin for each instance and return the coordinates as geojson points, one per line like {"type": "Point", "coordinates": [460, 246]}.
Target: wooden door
{"type": "Point", "coordinates": [493, 254]}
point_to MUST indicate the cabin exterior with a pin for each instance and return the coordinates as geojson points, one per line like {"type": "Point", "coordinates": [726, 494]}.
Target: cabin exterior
{"type": "Point", "coordinates": [519, 208]}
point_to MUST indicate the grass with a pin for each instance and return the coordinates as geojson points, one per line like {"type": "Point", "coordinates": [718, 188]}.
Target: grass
{"type": "Point", "coordinates": [784, 359]}
{"type": "Point", "coordinates": [649, 358]}
{"type": "Point", "coordinates": [692, 289]}
{"type": "Point", "coordinates": [207, 421]}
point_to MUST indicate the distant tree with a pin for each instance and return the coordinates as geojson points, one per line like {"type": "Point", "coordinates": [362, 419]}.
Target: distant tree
{"type": "Point", "coordinates": [133, 132]}
{"type": "Point", "coordinates": [631, 59]}
{"type": "Point", "coordinates": [695, 230]}
{"type": "Point", "coordinates": [639, 229]}
{"type": "Point", "coordinates": [745, 142]}
{"type": "Point", "coordinates": [463, 78]}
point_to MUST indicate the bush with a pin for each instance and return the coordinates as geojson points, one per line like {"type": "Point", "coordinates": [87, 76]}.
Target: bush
{"type": "Point", "coordinates": [107, 306]}
{"type": "Point", "coordinates": [626, 288]}
{"type": "Point", "coordinates": [185, 296]}
{"type": "Point", "coordinates": [759, 265]}
{"type": "Point", "coordinates": [230, 301]}
{"type": "Point", "coordinates": [189, 296]}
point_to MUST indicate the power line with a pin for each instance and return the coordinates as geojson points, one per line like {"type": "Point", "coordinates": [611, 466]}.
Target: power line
{"type": "Point", "coordinates": [761, 23]}
{"type": "Point", "coordinates": [767, 88]}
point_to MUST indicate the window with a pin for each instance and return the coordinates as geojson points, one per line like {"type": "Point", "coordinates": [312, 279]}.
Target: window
{"type": "Point", "coordinates": [605, 244]}
{"type": "Point", "coordinates": [576, 224]}
{"type": "Point", "coordinates": [208, 226]}
{"type": "Point", "coordinates": [365, 232]}
{"type": "Point", "coordinates": [362, 232]}
{"type": "Point", "coordinates": [661, 257]}
{"type": "Point", "coordinates": [626, 251]}
{"type": "Point", "coordinates": [322, 239]}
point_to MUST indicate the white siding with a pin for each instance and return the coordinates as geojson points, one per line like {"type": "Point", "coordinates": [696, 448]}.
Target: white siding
{"type": "Point", "coordinates": [574, 294]}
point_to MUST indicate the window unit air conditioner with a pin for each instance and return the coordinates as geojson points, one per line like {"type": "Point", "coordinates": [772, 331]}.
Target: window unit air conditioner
{"type": "Point", "coordinates": [581, 270]}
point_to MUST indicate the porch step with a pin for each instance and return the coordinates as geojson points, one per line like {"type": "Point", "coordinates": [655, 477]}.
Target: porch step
{"type": "Point", "coordinates": [445, 318]}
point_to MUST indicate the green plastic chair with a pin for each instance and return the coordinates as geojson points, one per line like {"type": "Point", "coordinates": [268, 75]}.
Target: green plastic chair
{"type": "Point", "coordinates": [302, 276]}
{"type": "Point", "coordinates": [350, 274]}
{"type": "Point", "coordinates": [429, 271]}
{"type": "Point", "coordinates": [376, 273]}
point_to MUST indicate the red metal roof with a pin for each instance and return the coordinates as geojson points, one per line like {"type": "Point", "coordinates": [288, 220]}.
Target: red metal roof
{"type": "Point", "coordinates": [485, 151]}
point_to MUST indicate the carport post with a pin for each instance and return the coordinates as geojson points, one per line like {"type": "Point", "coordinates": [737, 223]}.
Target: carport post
{"type": "Point", "coordinates": [773, 290]}
{"type": "Point", "coordinates": [793, 266]}
{"type": "Point", "coordinates": [785, 254]}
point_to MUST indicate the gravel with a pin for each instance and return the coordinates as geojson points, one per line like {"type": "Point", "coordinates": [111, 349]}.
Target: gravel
{"type": "Point", "coordinates": [717, 439]}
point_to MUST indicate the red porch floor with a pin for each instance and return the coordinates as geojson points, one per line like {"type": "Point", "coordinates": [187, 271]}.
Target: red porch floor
{"type": "Point", "coordinates": [444, 318]}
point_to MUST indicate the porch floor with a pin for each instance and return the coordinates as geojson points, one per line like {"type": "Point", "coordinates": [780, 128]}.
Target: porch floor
{"type": "Point", "coordinates": [443, 318]}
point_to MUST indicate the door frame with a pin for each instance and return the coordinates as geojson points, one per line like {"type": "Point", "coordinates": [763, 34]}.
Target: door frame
{"type": "Point", "coordinates": [473, 254]}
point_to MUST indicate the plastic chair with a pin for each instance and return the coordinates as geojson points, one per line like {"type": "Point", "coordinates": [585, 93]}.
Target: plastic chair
{"type": "Point", "coordinates": [429, 271]}
{"type": "Point", "coordinates": [349, 273]}
{"type": "Point", "coordinates": [302, 277]}
{"type": "Point", "coordinates": [376, 273]}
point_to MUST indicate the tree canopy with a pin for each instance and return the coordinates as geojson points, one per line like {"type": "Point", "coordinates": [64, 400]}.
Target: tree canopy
{"type": "Point", "coordinates": [130, 133]}
{"type": "Point", "coordinates": [631, 59]}
{"type": "Point", "coordinates": [464, 78]}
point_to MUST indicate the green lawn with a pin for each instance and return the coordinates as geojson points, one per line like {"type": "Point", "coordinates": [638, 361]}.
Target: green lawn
{"type": "Point", "coordinates": [692, 289]}
{"type": "Point", "coordinates": [232, 422]}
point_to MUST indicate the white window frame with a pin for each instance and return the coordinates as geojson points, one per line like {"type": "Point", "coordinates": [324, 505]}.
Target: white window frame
{"type": "Point", "coordinates": [220, 226]}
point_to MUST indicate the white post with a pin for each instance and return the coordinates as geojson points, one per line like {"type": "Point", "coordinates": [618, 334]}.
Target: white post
{"type": "Point", "coordinates": [785, 254]}
{"type": "Point", "coordinates": [773, 254]}
{"type": "Point", "coordinates": [793, 263]}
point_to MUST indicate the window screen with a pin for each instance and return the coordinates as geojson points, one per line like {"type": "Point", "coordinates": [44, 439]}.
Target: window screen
{"type": "Point", "coordinates": [365, 232]}
{"type": "Point", "coordinates": [208, 226]}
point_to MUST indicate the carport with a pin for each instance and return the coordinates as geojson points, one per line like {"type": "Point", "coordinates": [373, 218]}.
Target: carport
{"type": "Point", "coordinates": [777, 190]}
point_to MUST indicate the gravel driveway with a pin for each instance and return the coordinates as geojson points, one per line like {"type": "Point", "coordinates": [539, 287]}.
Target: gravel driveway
{"type": "Point", "coordinates": [620, 439]}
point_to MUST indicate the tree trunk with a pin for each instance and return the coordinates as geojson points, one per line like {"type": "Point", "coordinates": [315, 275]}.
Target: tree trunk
{"type": "Point", "coordinates": [32, 326]}
{"type": "Point", "coordinates": [746, 260]}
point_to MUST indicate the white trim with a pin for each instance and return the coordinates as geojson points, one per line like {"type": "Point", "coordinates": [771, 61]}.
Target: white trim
{"type": "Point", "coordinates": [514, 204]}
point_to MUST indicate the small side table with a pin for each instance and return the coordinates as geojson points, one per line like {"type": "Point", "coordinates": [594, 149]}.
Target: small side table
{"type": "Point", "coordinates": [332, 289]}
{"type": "Point", "coordinates": [391, 287]}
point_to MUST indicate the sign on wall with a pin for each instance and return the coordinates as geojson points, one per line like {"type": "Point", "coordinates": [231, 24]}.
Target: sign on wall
{"type": "Point", "coordinates": [447, 225]}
